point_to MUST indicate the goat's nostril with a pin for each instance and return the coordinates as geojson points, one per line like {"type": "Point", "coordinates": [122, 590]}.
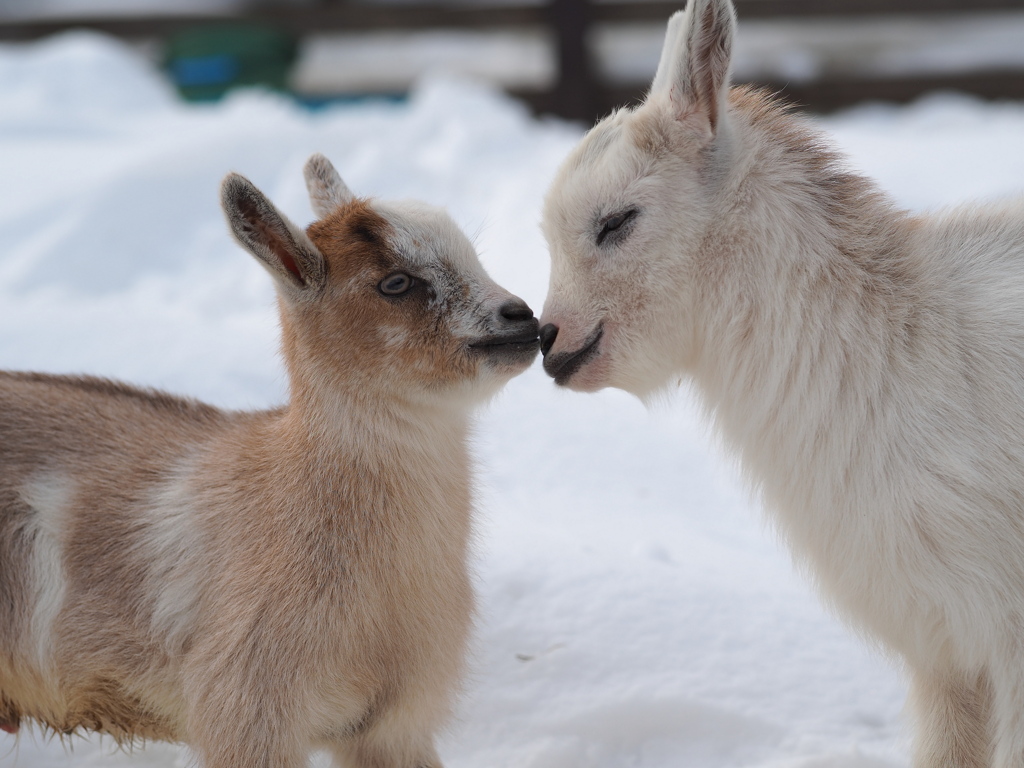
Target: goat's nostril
{"type": "Point", "coordinates": [515, 309]}
{"type": "Point", "coordinates": [547, 337]}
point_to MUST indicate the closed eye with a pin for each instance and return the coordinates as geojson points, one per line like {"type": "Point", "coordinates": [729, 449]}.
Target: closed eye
{"type": "Point", "coordinates": [614, 223]}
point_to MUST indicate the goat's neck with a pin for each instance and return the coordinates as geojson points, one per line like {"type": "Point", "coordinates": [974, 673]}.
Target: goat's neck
{"type": "Point", "coordinates": [800, 316]}
{"type": "Point", "coordinates": [379, 426]}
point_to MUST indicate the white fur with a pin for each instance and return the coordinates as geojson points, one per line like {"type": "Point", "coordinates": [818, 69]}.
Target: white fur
{"type": "Point", "coordinates": [327, 190]}
{"type": "Point", "coordinates": [866, 365]}
{"type": "Point", "coordinates": [49, 494]}
{"type": "Point", "coordinates": [174, 554]}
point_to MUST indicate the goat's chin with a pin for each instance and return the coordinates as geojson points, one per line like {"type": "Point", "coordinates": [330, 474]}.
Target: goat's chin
{"type": "Point", "coordinates": [489, 380]}
{"type": "Point", "coordinates": [505, 361]}
{"type": "Point", "coordinates": [592, 376]}
{"type": "Point", "coordinates": [493, 376]}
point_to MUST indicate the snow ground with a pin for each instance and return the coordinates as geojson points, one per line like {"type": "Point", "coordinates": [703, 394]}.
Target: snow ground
{"type": "Point", "coordinates": [635, 610]}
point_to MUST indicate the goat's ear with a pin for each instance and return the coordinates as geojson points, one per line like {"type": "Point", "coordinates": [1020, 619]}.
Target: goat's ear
{"type": "Point", "coordinates": [693, 73]}
{"type": "Point", "coordinates": [326, 189]}
{"type": "Point", "coordinates": [283, 248]}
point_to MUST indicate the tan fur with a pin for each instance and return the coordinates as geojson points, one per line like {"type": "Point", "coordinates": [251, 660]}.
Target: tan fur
{"type": "Point", "coordinates": [257, 584]}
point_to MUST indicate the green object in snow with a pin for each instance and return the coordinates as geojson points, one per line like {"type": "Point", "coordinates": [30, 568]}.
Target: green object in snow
{"type": "Point", "coordinates": [206, 62]}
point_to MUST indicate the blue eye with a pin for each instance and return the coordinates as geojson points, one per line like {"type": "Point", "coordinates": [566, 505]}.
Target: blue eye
{"type": "Point", "coordinates": [396, 284]}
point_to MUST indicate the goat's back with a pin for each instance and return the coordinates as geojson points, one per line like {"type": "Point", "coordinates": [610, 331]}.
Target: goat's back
{"type": "Point", "coordinates": [80, 460]}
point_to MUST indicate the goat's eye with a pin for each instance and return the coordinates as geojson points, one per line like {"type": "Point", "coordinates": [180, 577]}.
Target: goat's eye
{"type": "Point", "coordinates": [396, 284]}
{"type": "Point", "coordinates": [615, 222]}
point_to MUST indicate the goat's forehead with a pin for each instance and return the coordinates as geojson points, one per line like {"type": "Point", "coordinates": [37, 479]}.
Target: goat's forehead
{"type": "Point", "coordinates": [617, 138]}
{"type": "Point", "coordinates": [591, 176]}
{"type": "Point", "coordinates": [427, 237]}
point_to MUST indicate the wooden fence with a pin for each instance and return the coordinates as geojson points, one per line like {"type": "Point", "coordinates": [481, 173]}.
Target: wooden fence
{"type": "Point", "coordinates": [578, 92]}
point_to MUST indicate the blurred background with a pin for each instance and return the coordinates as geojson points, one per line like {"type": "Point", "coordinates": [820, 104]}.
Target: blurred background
{"type": "Point", "coordinates": [572, 58]}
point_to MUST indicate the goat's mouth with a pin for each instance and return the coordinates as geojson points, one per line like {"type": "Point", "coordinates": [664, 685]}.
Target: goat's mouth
{"type": "Point", "coordinates": [564, 365]}
{"type": "Point", "coordinates": [509, 347]}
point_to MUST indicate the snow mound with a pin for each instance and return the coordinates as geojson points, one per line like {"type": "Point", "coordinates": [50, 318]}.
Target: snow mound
{"type": "Point", "coordinates": [77, 76]}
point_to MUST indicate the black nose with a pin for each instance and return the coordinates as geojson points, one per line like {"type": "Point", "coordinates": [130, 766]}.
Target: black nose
{"type": "Point", "coordinates": [547, 337]}
{"type": "Point", "coordinates": [515, 309]}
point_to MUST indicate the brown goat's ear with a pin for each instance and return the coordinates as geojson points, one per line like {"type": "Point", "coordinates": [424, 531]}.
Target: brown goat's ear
{"type": "Point", "coordinates": [327, 192]}
{"type": "Point", "coordinates": [693, 73]}
{"type": "Point", "coordinates": [284, 249]}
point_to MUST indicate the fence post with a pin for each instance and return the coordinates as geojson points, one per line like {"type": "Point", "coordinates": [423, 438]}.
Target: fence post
{"type": "Point", "coordinates": [575, 95]}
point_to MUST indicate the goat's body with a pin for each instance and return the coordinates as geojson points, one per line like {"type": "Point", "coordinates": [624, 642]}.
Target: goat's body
{"type": "Point", "coordinates": [167, 540]}
{"type": "Point", "coordinates": [874, 387]}
{"type": "Point", "coordinates": [866, 365]}
{"type": "Point", "coordinates": [70, 507]}
{"type": "Point", "coordinates": [870, 373]}
{"type": "Point", "coordinates": [260, 584]}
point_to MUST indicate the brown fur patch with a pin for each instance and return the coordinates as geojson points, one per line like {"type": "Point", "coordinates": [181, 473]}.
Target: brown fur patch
{"type": "Point", "coordinates": [355, 318]}
{"type": "Point", "coordinates": [105, 707]}
{"type": "Point", "coordinates": [10, 715]}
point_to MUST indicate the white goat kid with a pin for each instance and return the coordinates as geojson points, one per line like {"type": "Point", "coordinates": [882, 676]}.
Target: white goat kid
{"type": "Point", "coordinates": [866, 365]}
{"type": "Point", "coordinates": [259, 584]}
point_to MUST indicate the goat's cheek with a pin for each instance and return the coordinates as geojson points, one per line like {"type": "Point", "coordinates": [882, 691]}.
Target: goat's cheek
{"type": "Point", "coordinates": [430, 355]}
{"type": "Point", "coordinates": [454, 323]}
{"type": "Point", "coordinates": [627, 297]}
{"type": "Point", "coordinates": [456, 362]}
{"type": "Point", "coordinates": [395, 339]}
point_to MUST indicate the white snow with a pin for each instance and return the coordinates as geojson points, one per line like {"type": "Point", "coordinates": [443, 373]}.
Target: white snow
{"type": "Point", "coordinates": [635, 610]}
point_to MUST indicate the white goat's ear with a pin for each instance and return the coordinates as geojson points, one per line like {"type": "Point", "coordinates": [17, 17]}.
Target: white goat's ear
{"type": "Point", "coordinates": [283, 248]}
{"type": "Point", "coordinates": [326, 189]}
{"type": "Point", "coordinates": [674, 32]}
{"type": "Point", "coordinates": [693, 73]}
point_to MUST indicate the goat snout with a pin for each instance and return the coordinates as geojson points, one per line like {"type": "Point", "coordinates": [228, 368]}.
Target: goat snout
{"type": "Point", "coordinates": [511, 336]}
{"type": "Point", "coordinates": [515, 309]}
{"type": "Point", "coordinates": [514, 319]}
{"type": "Point", "coordinates": [547, 337]}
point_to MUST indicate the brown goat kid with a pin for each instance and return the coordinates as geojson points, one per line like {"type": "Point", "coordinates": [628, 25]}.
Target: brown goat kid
{"type": "Point", "coordinates": [261, 584]}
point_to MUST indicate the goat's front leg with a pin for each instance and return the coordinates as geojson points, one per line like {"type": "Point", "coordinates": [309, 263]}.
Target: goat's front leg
{"type": "Point", "coordinates": [1008, 707]}
{"type": "Point", "coordinates": [245, 715]}
{"type": "Point", "coordinates": [953, 712]}
{"type": "Point", "coordinates": [237, 738]}
{"type": "Point", "coordinates": [375, 750]}
{"type": "Point", "coordinates": [254, 755]}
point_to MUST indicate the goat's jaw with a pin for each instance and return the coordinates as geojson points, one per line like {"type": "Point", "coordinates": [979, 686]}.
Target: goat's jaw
{"type": "Point", "coordinates": [512, 352]}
